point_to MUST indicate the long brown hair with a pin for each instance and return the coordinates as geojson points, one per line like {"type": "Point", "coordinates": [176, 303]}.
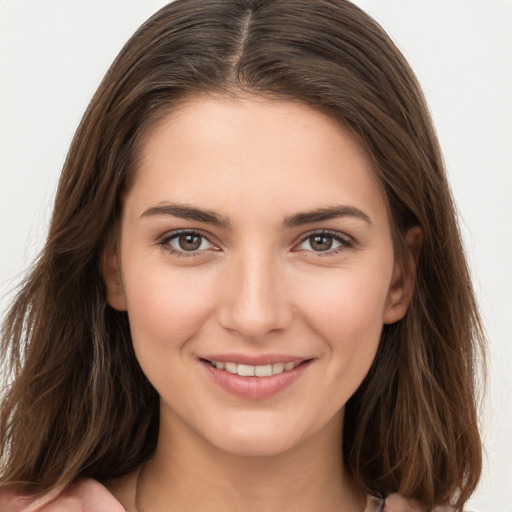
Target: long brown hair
{"type": "Point", "coordinates": [78, 403]}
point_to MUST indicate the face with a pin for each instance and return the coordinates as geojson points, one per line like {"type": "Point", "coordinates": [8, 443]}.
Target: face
{"type": "Point", "coordinates": [256, 264]}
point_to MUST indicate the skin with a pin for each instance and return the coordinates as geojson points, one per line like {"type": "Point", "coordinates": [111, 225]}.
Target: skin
{"type": "Point", "coordinates": [256, 286]}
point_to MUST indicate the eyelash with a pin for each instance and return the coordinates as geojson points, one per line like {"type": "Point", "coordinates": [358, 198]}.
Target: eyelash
{"type": "Point", "coordinates": [164, 243]}
{"type": "Point", "coordinates": [344, 241]}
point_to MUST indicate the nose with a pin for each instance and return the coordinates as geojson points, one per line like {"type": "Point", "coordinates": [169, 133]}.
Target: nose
{"type": "Point", "coordinates": [254, 298]}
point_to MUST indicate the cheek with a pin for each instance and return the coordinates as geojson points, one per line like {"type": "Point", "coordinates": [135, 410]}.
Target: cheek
{"type": "Point", "coordinates": [347, 313]}
{"type": "Point", "coordinates": [346, 300]}
{"type": "Point", "coordinates": [167, 307]}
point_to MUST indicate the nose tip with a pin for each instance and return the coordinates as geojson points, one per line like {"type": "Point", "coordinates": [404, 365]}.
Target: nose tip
{"type": "Point", "coordinates": [254, 303]}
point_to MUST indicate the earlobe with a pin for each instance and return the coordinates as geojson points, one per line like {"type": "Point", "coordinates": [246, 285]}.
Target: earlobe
{"type": "Point", "coordinates": [404, 277]}
{"type": "Point", "coordinates": [112, 276]}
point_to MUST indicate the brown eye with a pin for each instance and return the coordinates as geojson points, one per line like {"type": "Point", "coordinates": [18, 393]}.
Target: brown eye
{"type": "Point", "coordinates": [321, 242]}
{"type": "Point", "coordinates": [325, 242]}
{"type": "Point", "coordinates": [187, 242]}
{"type": "Point", "coordinates": [190, 242]}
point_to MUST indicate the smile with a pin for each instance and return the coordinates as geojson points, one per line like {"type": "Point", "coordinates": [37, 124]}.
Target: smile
{"type": "Point", "coordinates": [255, 381]}
{"type": "Point", "coordinates": [247, 370]}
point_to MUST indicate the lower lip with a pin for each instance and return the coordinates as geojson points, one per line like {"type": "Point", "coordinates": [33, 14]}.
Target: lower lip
{"type": "Point", "coordinates": [255, 388]}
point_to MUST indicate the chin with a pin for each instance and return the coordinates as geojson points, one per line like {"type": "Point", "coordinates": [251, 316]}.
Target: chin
{"type": "Point", "coordinates": [269, 444]}
{"type": "Point", "coordinates": [261, 435]}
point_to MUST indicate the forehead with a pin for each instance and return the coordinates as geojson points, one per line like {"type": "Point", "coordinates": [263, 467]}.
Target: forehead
{"type": "Point", "coordinates": [228, 153]}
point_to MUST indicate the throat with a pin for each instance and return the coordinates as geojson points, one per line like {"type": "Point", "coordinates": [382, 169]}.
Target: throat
{"type": "Point", "coordinates": [287, 482]}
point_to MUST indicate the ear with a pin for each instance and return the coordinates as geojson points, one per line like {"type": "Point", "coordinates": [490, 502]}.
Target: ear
{"type": "Point", "coordinates": [111, 272]}
{"type": "Point", "coordinates": [404, 277]}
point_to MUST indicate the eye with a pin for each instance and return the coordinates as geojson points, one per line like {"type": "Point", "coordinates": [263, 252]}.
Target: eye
{"type": "Point", "coordinates": [183, 242]}
{"type": "Point", "coordinates": [325, 242]}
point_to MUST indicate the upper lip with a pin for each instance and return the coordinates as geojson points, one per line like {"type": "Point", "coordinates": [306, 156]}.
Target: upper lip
{"type": "Point", "coordinates": [255, 360]}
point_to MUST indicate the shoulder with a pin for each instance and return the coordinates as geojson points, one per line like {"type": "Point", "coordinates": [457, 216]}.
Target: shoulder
{"type": "Point", "coordinates": [85, 495]}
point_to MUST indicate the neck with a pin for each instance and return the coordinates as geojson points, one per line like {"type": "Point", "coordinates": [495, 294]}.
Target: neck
{"type": "Point", "coordinates": [189, 474]}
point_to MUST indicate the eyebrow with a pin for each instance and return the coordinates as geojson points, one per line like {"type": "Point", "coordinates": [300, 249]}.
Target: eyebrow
{"type": "Point", "coordinates": [321, 214]}
{"type": "Point", "coordinates": [298, 219]}
{"type": "Point", "coordinates": [187, 212]}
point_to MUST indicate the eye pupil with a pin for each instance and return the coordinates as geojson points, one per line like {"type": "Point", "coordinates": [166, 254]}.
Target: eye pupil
{"type": "Point", "coordinates": [321, 242]}
{"type": "Point", "coordinates": [189, 242]}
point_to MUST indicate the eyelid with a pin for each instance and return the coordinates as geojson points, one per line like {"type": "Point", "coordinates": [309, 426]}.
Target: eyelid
{"type": "Point", "coordinates": [347, 242]}
{"type": "Point", "coordinates": [164, 240]}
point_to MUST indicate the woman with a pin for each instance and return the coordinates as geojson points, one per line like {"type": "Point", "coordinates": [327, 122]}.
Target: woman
{"type": "Point", "coordinates": [253, 294]}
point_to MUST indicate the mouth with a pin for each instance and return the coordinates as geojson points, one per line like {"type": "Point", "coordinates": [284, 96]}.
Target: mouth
{"type": "Point", "coordinates": [247, 370]}
{"type": "Point", "coordinates": [257, 381]}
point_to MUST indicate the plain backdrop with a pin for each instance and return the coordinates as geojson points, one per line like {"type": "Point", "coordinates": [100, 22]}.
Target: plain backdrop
{"type": "Point", "coordinates": [54, 54]}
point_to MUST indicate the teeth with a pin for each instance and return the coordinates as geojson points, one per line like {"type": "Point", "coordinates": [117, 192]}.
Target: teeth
{"type": "Point", "coordinates": [263, 371]}
{"type": "Point", "coordinates": [277, 368]}
{"type": "Point", "coordinates": [247, 370]}
{"type": "Point", "coordinates": [231, 367]}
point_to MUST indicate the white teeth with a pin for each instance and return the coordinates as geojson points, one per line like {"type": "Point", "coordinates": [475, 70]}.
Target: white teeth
{"type": "Point", "coordinates": [231, 367]}
{"type": "Point", "coordinates": [277, 368]}
{"type": "Point", "coordinates": [263, 371]}
{"type": "Point", "coordinates": [247, 370]}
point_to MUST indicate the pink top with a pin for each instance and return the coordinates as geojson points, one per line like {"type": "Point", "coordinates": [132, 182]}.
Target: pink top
{"type": "Point", "coordinates": [88, 495]}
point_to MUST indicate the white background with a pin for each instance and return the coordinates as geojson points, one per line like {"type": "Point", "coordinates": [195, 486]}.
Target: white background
{"type": "Point", "coordinates": [55, 52]}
